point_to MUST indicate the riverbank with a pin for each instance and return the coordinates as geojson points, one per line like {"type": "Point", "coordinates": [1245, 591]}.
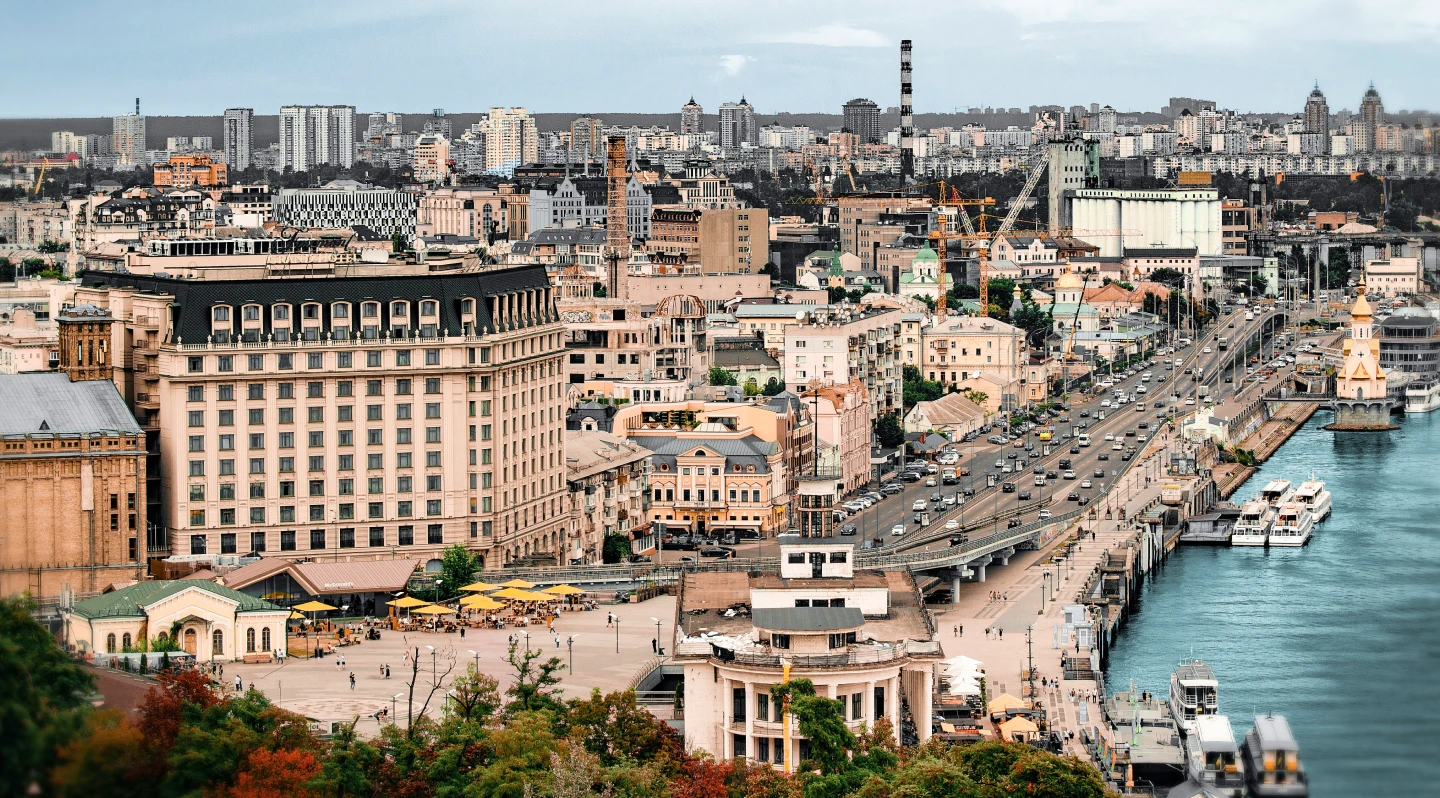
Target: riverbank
{"type": "Point", "coordinates": [1284, 422]}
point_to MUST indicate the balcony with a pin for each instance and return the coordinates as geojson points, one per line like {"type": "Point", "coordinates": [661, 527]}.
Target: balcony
{"type": "Point", "coordinates": [147, 400]}
{"type": "Point", "coordinates": [851, 656]}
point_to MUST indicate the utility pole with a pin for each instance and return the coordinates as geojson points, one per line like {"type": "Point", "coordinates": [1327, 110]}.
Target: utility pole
{"type": "Point", "coordinates": [1030, 657]}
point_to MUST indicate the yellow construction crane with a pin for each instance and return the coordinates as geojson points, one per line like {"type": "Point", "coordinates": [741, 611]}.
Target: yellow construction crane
{"type": "Point", "coordinates": [942, 233]}
{"type": "Point", "coordinates": [40, 178]}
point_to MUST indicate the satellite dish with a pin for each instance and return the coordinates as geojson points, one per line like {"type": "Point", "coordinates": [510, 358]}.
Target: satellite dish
{"type": "Point", "coordinates": [799, 315]}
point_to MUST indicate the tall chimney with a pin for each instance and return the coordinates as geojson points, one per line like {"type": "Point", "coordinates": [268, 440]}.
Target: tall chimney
{"type": "Point", "coordinates": [907, 115]}
{"type": "Point", "coordinates": [617, 235]}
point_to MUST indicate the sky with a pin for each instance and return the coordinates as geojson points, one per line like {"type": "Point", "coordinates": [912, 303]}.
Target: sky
{"type": "Point", "coordinates": [650, 56]}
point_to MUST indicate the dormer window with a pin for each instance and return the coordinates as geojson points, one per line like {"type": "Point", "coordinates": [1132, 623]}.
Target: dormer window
{"type": "Point", "coordinates": [282, 312]}
{"type": "Point", "coordinates": [370, 310]}
{"type": "Point", "coordinates": [250, 313]}
{"type": "Point", "coordinates": [429, 307]}
{"type": "Point", "coordinates": [221, 313]}
{"type": "Point", "coordinates": [310, 311]}
{"type": "Point", "coordinates": [399, 309]}
{"type": "Point", "coordinates": [340, 310]}
{"type": "Point", "coordinates": [467, 307]}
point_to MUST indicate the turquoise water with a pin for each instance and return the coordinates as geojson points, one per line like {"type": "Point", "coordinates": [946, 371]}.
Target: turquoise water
{"type": "Point", "coordinates": [1341, 636]}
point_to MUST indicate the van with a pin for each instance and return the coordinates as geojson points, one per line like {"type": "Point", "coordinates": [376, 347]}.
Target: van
{"type": "Point", "coordinates": [1083, 440]}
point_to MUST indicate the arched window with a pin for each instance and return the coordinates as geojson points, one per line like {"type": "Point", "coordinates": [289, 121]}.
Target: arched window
{"type": "Point", "coordinates": [125, 640]}
{"type": "Point", "coordinates": [250, 640]}
{"type": "Point", "coordinates": [429, 307]}
{"type": "Point", "coordinates": [110, 643]}
{"type": "Point", "coordinates": [217, 643]}
{"type": "Point", "coordinates": [265, 639]}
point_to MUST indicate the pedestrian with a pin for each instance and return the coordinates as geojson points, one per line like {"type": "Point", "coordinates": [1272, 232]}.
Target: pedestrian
{"type": "Point", "coordinates": [961, 630]}
{"type": "Point", "coordinates": [557, 641]}
{"type": "Point", "coordinates": [405, 657]}
{"type": "Point", "coordinates": [1002, 634]}
{"type": "Point", "coordinates": [462, 633]}
{"type": "Point", "coordinates": [954, 631]}
{"type": "Point", "coordinates": [382, 670]}
{"type": "Point", "coordinates": [352, 680]}
{"type": "Point", "coordinates": [237, 684]}
{"type": "Point", "coordinates": [387, 671]}
{"type": "Point", "coordinates": [654, 645]}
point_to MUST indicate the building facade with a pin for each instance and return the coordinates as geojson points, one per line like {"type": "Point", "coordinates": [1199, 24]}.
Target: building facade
{"type": "Point", "coordinates": [692, 118]}
{"type": "Point", "coordinates": [838, 344]}
{"type": "Point", "coordinates": [862, 117]}
{"type": "Point", "coordinates": [737, 125]}
{"type": "Point", "coordinates": [608, 492]}
{"type": "Point", "coordinates": [128, 140]}
{"type": "Point", "coordinates": [185, 171]}
{"type": "Point", "coordinates": [348, 418]}
{"type": "Point", "coordinates": [239, 138]}
{"type": "Point", "coordinates": [463, 211]}
{"type": "Point", "coordinates": [314, 135]}
{"type": "Point", "coordinates": [345, 203]}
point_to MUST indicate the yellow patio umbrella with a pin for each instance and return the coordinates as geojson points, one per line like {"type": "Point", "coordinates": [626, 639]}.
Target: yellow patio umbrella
{"type": "Point", "coordinates": [314, 606]}
{"type": "Point", "coordinates": [408, 601]}
{"type": "Point", "coordinates": [562, 590]}
{"type": "Point", "coordinates": [434, 609]}
{"type": "Point", "coordinates": [520, 583]}
{"type": "Point", "coordinates": [479, 587]}
{"type": "Point", "coordinates": [1005, 703]}
{"type": "Point", "coordinates": [480, 603]}
{"type": "Point", "coordinates": [295, 616]}
{"type": "Point", "coordinates": [1015, 726]}
{"type": "Point", "coordinates": [522, 595]}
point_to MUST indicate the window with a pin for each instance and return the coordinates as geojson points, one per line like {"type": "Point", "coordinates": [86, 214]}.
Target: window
{"type": "Point", "coordinates": [377, 485]}
{"type": "Point", "coordinates": [838, 556]}
{"type": "Point", "coordinates": [227, 467]}
{"type": "Point", "coordinates": [347, 537]}
{"type": "Point", "coordinates": [197, 542]}
{"type": "Point", "coordinates": [317, 487]}
{"type": "Point", "coordinates": [375, 461]}
{"type": "Point", "coordinates": [317, 538]}
{"type": "Point", "coordinates": [287, 514]}
{"type": "Point", "coordinates": [287, 361]}
{"type": "Point", "coordinates": [432, 409]}
{"type": "Point", "coordinates": [434, 533]}
{"type": "Point", "coordinates": [227, 542]}
{"type": "Point", "coordinates": [345, 388]}
{"type": "Point", "coordinates": [376, 509]}
{"type": "Point", "coordinates": [255, 362]}
{"type": "Point", "coordinates": [257, 543]}
{"type": "Point", "coordinates": [316, 438]}
{"type": "Point", "coordinates": [344, 360]}
{"type": "Point", "coordinates": [256, 415]}
{"type": "Point", "coordinates": [347, 511]}
{"type": "Point", "coordinates": [377, 536]}
{"type": "Point", "coordinates": [402, 411]}
{"type": "Point", "coordinates": [432, 357]}
{"type": "Point", "coordinates": [402, 435]}
{"type": "Point", "coordinates": [432, 435]}
{"type": "Point", "coordinates": [404, 485]}
{"type": "Point", "coordinates": [374, 412]}
{"type": "Point", "coordinates": [315, 360]}
{"type": "Point", "coordinates": [227, 491]}
{"type": "Point", "coordinates": [795, 558]}
{"type": "Point", "coordinates": [347, 462]}
{"type": "Point", "coordinates": [197, 443]}
{"type": "Point", "coordinates": [197, 493]}
{"type": "Point", "coordinates": [856, 705]}
{"type": "Point", "coordinates": [287, 540]}
{"type": "Point", "coordinates": [375, 437]}
{"type": "Point", "coordinates": [227, 418]}
{"type": "Point", "coordinates": [432, 483]}
{"type": "Point", "coordinates": [255, 390]}
{"type": "Point", "coordinates": [287, 440]}
{"type": "Point", "coordinates": [402, 387]}
{"type": "Point", "coordinates": [287, 390]}
{"type": "Point", "coordinates": [404, 509]}
{"type": "Point", "coordinates": [737, 712]}
{"type": "Point", "coordinates": [257, 440]}
{"type": "Point", "coordinates": [315, 390]}
{"type": "Point", "coordinates": [780, 641]}
{"type": "Point", "coordinates": [195, 365]}
{"type": "Point", "coordinates": [227, 443]}
{"type": "Point", "coordinates": [432, 385]}
{"type": "Point", "coordinates": [402, 357]}
{"type": "Point", "coordinates": [406, 535]}
{"type": "Point", "coordinates": [217, 643]}
{"type": "Point", "coordinates": [226, 363]}
{"type": "Point", "coordinates": [196, 418]}
{"type": "Point", "coordinates": [372, 388]}
{"type": "Point", "coordinates": [432, 507]}
{"type": "Point", "coordinates": [257, 490]}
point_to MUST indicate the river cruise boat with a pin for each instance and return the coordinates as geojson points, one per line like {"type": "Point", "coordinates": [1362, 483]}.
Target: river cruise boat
{"type": "Point", "coordinates": [1212, 760]}
{"type": "Point", "coordinates": [1292, 525]}
{"type": "Point", "coordinates": [1253, 528]}
{"type": "Point", "coordinates": [1193, 694]}
{"type": "Point", "coordinates": [1315, 497]}
{"type": "Point", "coordinates": [1275, 492]}
{"type": "Point", "coordinates": [1272, 760]}
{"type": "Point", "coordinates": [1422, 397]}
{"type": "Point", "coordinates": [1144, 746]}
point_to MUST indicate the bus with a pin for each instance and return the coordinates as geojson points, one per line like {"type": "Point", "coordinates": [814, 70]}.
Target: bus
{"type": "Point", "coordinates": [1221, 343]}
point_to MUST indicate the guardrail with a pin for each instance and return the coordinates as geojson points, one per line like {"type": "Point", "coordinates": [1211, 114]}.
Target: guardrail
{"type": "Point", "coordinates": [855, 655]}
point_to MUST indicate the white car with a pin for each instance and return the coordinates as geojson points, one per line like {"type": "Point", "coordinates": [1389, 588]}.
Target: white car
{"type": "Point", "coordinates": [897, 530]}
{"type": "Point", "coordinates": [1105, 403]}
{"type": "Point", "coordinates": [1190, 401]}
{"type": "Point", "coordinates": [1085, 484]}
{"type": "Point", "coordinates": [1109, 436]}
{"type": "Point", "coordinates": [1044, 514]}
{"type": "Point", "coordinates": [1206, 350]}
{"type": "Point", "coordinates": [1117, 446]}
{"type": "Point", "coordinates": [1141, 438]}
{"type": "Point", "coordinates": [952, 524]}
{"type": "Point", "coordinates": [920, 505]}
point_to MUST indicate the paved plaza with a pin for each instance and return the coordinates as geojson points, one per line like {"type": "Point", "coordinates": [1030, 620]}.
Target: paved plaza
{"type": "Point", "coordinates": [320, 688]}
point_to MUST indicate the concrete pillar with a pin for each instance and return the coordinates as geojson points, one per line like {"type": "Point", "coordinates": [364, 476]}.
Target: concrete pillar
{"type": "Point", "coordinates": [1003, 558]}
{"type": "Point", "coordinates": [749, 717]}
{"type": "Point", "coordinates": [867, 704]}
{"type": "Point", "coordinates": [979, 572]}
{"type": "Point", "coordinates": [955, 587]}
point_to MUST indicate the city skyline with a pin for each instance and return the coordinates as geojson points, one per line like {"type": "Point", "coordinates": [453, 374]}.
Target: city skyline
{"type": "Point", "coordinates": [798, 58]}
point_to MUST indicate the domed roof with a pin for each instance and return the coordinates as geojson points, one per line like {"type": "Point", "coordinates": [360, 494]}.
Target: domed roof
{"type": "Point", "coordinates": [1069, 280]}
{"type": "Point", "coordinates": [1361, 309]}
{"type": "Point", "coordinates": [926, 254]}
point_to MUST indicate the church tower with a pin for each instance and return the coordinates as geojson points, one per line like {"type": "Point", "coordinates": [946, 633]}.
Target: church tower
{"type": "Point", "coordinates": [85, 342]}
{"type": "Point", "coordinates": [1362, 400]}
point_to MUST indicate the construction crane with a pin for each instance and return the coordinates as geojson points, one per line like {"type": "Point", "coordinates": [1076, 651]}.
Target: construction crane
{"type": "Point", "coordinates": [942, 233]}
{"type": "Point", "coordinates": [40, 178]}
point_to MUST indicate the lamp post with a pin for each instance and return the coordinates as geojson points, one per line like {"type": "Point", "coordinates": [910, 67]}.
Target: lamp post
{"type": "Point", "coordinates": [1044, 580]}
{"type": "Point", "coordinates": [392, 704]}
{"type": "Point", "coordinates": [570, 644]}
{"type": "Point", "coordinates": [659, 649]}
{"type": "Point", "coordinates": [617, 635]}
{"type": "Point", "coordinates": [434, 665]}
{"type": "Point", "coordinates": [477, 659]}
{"type": "Point", "coordinates": [527, 641]}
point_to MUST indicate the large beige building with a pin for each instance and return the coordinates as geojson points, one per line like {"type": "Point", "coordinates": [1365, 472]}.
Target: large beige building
{"type": "Point", "coordinates": [841, 343]}
{"type": "Point", "coordinates": [432, 158]}
{"type": "Point", "coordinates": [608, 480]}
{"type": "Point", "coordinates": [463, 211]}
{"type": "Point", "coordinates": [961, 347]}
{"type": "Point", "coordinates": [718, 241]}
{"type": "Point", "coordinates": [72, 460]}
{"type": "Point", "coordinates": [511, 138]}
{"type": "Point", "coordinates": [347, 418]}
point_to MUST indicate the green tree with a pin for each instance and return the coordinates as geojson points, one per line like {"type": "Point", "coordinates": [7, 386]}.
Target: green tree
{"type": "Point", "coordinates": [889, 430]}
{"type": "Point", "coordinates": [978, 397]}
{"type": "Point", "coordinates": [616, 548]}
{"type": "Point", "coordinates": [720, 376]}
{"type": "Point", "coordinates": [772, 387]}
{"type": "Point", "coordinates": [751, 387]}
{"type": "Point", "coordinates": [770, 270]}
{"type": "Point", "coordinates": [837, 294]}
{"type": "Point", "coordinates": [1403, 215]}
{"type": "Point", "coordinates": [535, 682]}
{"type": "Point", "coordinates": [458, 567]}
{"type": "Point", "coordinates": [921, 391]}
{"type": "Point", "coordinates": [42, 697]}
{"type": "Point", "coordinates": [474, 696]}
{"type": "Point", "coordinates": [822, 722]}
{"type": "Point", "coordinates": [616, 729]}
{"type": "Point", "coordinates": [1167, 276]}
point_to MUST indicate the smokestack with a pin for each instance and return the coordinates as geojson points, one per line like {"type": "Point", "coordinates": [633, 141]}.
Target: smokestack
{"type": "Point", "coordinates": [907, 115]}
{"type": "Point", "coordinates": [617, 235]}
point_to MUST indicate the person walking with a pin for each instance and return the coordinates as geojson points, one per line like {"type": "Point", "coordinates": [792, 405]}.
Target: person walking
{"type": "Point", "coordinates": [1002, 634]}
{"type": "Point", "coordinates": [237, 684]}
{"type": "Point", "coordinates": [387, 671]}
{"type": "Point", "coordinates": [352, 680]}
{"type": "Point", "coordinates": [654, 645]}
{"type": "Point", "coordinates": [960, 630]}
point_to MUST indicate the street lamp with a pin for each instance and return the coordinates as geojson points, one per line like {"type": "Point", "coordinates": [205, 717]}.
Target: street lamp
{"type": "Point", "coordinates": [1044, 580]}
{"type": "Point", "coordinates": [570, 644]}
{"type": "Point", "coordinates": [477, 659]}
{"type": "Point", "coordinates": [434, 664]}
{"type": "Point", "coordinates": [392, 705]}
{"type": "Point", "coordinates": [659, 649]}
{"type": "Point", "coordinates": [617, 635]}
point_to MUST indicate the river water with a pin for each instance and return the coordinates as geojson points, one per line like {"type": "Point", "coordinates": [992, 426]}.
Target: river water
{"type": "Point", "coordinates": [1341, 636]}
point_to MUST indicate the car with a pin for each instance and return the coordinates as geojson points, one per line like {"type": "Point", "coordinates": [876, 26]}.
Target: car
{"type": "Point", "coordinates": [1129, 433]}
{"type": "Point", "coordinates": [891, 489]}
{"type": "Point", "coordinates": [718, 551]}
{"type": "Point", "coordinates": [1043, 514]}
{"type": "Point", "coordinates": [937, 497]}
{"type": "Point", "coordinates": [1069, 474]}
{"type": "Point", "coordinates": [999, 462]}
{"type": "Point", "coordinates": [1074, 496]}
{"type": "Point", "coordinates": [1074, 449]}
{"type": "Point", "coordinates": [1229, 379]}
{"type": "Point", "coordinates": [920, 505]}
{"type": "Point", "coordinates": [959, 540]}
{"type": "Point", "coordinates": [969, 491]}
{"type": "Point", "coordinates": [1105, 403]}
{"type": "Point", "coordinates": [1011, 456]}
{"type": "Point", "coordinates": [1064, 462]}
{"type": "Point", "coordinates": [1084, 500]}
{"type": "Point", "coordinates": [1103, 456]}
{"type": "Point", "coordinates": [874, 496]}
{"type": "Point", "coordinates": [853, 507]}
{"type": "Point", "coordinates": [848, 530]}
{"type": "Point", "coordinates": [646, 558]}
{"type": "Point", "coordinates": [910, 476]}
{"type": "Point", "coordinates": [1190, 401]}
{"type": "Point", "coordinates": [1013, 522]}
{"type": "Point", "coordinates": [1084, 413]}
{"type": "Point", "coordinates": [950, 500]}
{"type": "Point", "coordinates": [931, 468]}
{"type": "Point", "coordinates": [1109, 436]}
{"type": "Point", "coordinates": [1142, 425]}
{"type": "Point", "coordinates": [1128, 456]}
{"type": "Point", "coordinates": [1099, 472]}
{"type": "Point", "coordinates": [965, 472]}
{"type": "Point", "coordinates": [952, 524]}
{"type": "Point", "coordinates": [1206, 350]}
{"type": "Point", "coordinates": [1189, 371]}
{"type": "Point", "coordinates": [1117, 446]}
{"type": "Point", "coordinates": [1007, 469]}
{"type": "Point", "coordinates": [685, 558]}
{"type": "Point", "coordinates": [1085, 484]}
{"type": "Point", "coordinates": [931, 482]}
{"type": "Point", "coordinates": [1023, 496]}
{"type": "Point", "coordinates": [1038, 469]}
{"type": "Point", "coordinates": [897, 530]}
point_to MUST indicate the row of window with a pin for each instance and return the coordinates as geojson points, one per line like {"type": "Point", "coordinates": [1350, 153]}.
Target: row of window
{"type": "Point", "coordinates": [343, 487]}
{"type": "Point", "coordinates": [345, 462]}
{"type": "Point", "coordinates": [285, 361]}
{"type": "Point", "coordinates": [344, 512]}
{"type": "Point", "coordinates": [225, 442]}
{"type": "Point", "coordinates": [225, 392]}
{"type": "Point", "coordinates": [339, 310]}
{"type": "Point", "coordinates": [316, 415]}
{"type": "Point", "coordinates": [320, 539]}
{"type": "Point", "coordinates": [668, 495]}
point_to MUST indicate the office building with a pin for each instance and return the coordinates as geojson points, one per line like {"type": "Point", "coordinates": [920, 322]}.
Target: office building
{"type": "Point", "coordinates": [185, 171]}
{"type": "Point", "coordinates": [587, 137]}
{"type": "Point", "coordinates": [314, 135]}
{"type": "Point", "coordinates": [471, 211]}
{"type": "Point", "coordinates": [862, 117]}
{"type": "Point", "coordinates": [737, 125]}
{"type": "Point", "coordinates": [838, 344]}
{"type": "Point", "coordinates": [128, 140]}
{"type": "Point", "coordinates": [692, 118]}
{"type": "Point", "coordinates": [239, 139]}
{"type": "Point", "coordinates": [432, 158]}
{"type": "Point", "coordinates": [346, 203]}
{"type": "Point", "coordinates": [349, 418]}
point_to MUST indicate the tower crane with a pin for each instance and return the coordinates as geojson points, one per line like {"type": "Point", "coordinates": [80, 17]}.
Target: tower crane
{"type": "Point", "coordinates": [40, 178]}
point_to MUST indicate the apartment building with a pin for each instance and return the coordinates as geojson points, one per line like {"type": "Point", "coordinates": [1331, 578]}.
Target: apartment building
{"type": "Point", "coordinates": [511, 138]}
{"type": "Point", "coordinates": [608, 493]}
{"type": "Point", "coordinates": [432, 159]}
{"type": "Point", "coordinates": [128, 140]}
{"type": "Point", "coordinates": [843, 423]}
{"type": "Point", "coordinates": [855, 211]}
{"type": "Point", "coordinates": [713, 241]}
{"type": "Point", "coordinates": [346, 203]}
{"type": "Point", "coordinates": [841, 343]}
{"type": "Point", "coordinates": [184, 171]}
{"type": "Point", "coordinates": [961, 347]}
{"type": "Point", "coordinates": [347, 418]}
{"type": "Point", "coordinates": [239, 137]}
{"type": "Point", "coordinates": [701, 188]}
{"type": "Point", "coordinates": [737, 125]}
{"type": "Point", "coordinates": [313, 135]}
{"type": "Point", "coordinates": [581, 202]}
{"type": "Point", "coordinates": [463, 211]}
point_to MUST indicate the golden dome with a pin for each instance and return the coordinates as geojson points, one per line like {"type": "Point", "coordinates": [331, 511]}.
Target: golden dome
{"type": "Point", "coordinates": [1069, 280]}
{"type": "Point", "coordinates": [1361, 308]}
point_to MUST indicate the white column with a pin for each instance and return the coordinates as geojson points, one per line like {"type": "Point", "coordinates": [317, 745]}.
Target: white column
{"type": "Point", "coordinates": [867, 704]}
{"type": "Point", "coordinates": [892, 701]}
{"type": "Point", "coordinates": [749, 716]}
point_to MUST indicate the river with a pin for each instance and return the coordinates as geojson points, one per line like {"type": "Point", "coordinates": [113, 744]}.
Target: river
{"type": "Point", "coordinates": [1341, 636]}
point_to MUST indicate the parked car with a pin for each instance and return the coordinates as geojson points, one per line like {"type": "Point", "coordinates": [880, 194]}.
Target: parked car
{"type": "Point", "coordinates": [718, 551]}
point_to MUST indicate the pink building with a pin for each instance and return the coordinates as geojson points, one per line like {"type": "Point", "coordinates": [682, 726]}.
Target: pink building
{"type": "Point", "coordinates": [843, 421]}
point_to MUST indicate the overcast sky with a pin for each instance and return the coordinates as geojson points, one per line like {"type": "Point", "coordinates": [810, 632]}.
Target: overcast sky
{"type": "Point", "coordinates": [89, 58]}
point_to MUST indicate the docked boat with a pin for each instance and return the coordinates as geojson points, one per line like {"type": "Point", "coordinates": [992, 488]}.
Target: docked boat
{"type": "Point", "coordinates": [1292, 525]}
{"type": "Point", "coordinates": [1422, 396]}
{"type": "Point", "coordinates": [1253, 527]}
{"type": "Point", "coordinates": [1144, 746]}
{"type": "Point", "coordinates": [1315, 497]}
{"type": "Point", "coordinates": [1275, 492]}
{"type": "Point", "coordinates": [1272, 760]}
{"type": "Point", "coordinates": [1193, 694]}
{"type": "Point", "coordinates": [1212, 760]}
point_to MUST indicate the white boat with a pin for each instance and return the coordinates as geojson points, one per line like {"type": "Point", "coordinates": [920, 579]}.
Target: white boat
{"type": "Point", "coordinates": [1292, 525]}
{"type": "Point", "coordinates": [1253, 528]}
{"type": "Point", "coordinates": [1315, 497]}
{"type": "Point", "coordinates": [1212, 759]}
{"type": "Point", "coordinates": [1422, 397]}
{"type": "Point", "coordinates": [1275, 492]}
{"type": "Point", "coordinates": [1193, 694]}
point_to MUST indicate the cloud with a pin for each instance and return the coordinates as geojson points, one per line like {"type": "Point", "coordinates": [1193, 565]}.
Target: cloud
{"type": "Point", "coordinates": [832, 36]}
{"type": "Point", "coordinates": [730, 65]}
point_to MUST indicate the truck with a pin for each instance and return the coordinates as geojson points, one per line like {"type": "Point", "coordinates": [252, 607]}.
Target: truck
{"type": "Point", "coordinates": [948, 476]}
{"type": "Point", "coordinates": [1202, 392]}
{"type": "Point", "coordinates": [1221, 343]}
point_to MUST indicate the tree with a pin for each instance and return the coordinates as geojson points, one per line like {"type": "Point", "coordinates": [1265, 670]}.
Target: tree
{"type": "Point", "coordinates": [474, 696]}
{"type": "Point", "coordinates": [437, 679]}
{"type": "Point", "coordinates": [978, 397]}
{"type": "Point", "coordinates": [772, 387]}
{"type": "Point", "coordinates": [720, 376]}
{"type": "Point", "coordinates": [837, 294]}
{"type": "Point", "coordinates": [1403, 215]}
{"type": "Point", "coordinates": [1167, 276]}
{"type": "Point", "coordinates": [822, 721]}
{"type": "Point", "coordinates": [751, 388]}
{"type": "Point", "coordinates": [616, 548]}
{"type": "Point", "coordinates": [458, 567]}
{"type": "Point", "coordinates": [276, 774]}
{"type": "Point", "coordinates": [42, 693]}
{"type": "Point", "coordinates": [889, 430]}
{"type": "Point", "coordinates": [573, 772]}
{"type": "Point", "coordinates": [616, 729]}
{"type": "Point", "coordinates": [107, 759]}
{"type": "Point", "coordinates": [703, 778]}
{"type": "Point", "coordinates": [534, 686]}
{"type": "Point", "coordinates": [770, 270]}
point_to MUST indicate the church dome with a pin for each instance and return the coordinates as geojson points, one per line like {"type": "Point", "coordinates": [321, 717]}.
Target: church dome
{"type": "Point", "coordinates": [1361, 308]}
{"type": "Point", "coordinates": [1069, 280]}
{"type": "Point", "coordinates": [926, 254]}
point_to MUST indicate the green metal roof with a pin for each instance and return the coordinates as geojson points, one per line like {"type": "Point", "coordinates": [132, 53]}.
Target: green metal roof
{"type": "Point", "coordinates": [127, 602]}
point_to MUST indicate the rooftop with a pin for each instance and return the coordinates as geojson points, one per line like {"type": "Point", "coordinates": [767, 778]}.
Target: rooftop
{"type": "Point", "coordinates": [130, 602]}
{"type": "Point", "coordinates": [808, 619]}
{"type": "Point", "coordinates": [48, 403]}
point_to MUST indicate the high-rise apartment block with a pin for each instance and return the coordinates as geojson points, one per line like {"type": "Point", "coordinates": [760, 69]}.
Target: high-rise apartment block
{"type": "Point", "coordinates": [314, 135]}
{"type": "Point", "coordinates": [239, 137]}
{"type": "Point", "coordinates": [128, 140]}
{"type": "Point", "coordinates": [432, 158]}
{"type": "Point", "coordinates": [384, 124]}
{"type": "Point", "coordinates": [1372, 116]}
{"type": "Point", "coordinates": [862, 117]}
{"type": "Point", "coordinates": [588, 136]}
{"type": "Point", "coordinates": [692, 118]}
{"type": "Point", "coordinates": [511, 138]}
{"type": "Point", "coordinates": [351, 418]}
{"type": "Point", "coordinates": [737, 125]}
